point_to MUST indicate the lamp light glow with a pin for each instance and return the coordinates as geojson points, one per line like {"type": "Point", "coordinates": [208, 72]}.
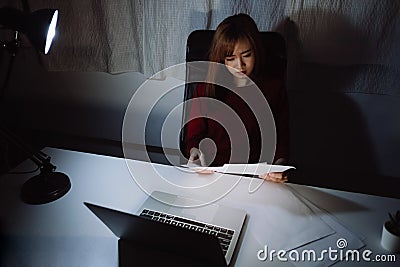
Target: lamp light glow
{"type": "Point", "coordinates": [51, 32]}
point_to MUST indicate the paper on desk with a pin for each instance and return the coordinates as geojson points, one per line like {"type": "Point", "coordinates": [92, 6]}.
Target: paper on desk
{"type": "Point", "coordinates": [276, 219]}
{"type": "Point", "coordinates": [347, 239]}
{"type": "Point", "coordinates": [252, 169]}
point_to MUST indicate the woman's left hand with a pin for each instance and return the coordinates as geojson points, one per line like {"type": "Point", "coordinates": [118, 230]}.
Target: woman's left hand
{"type": "Point", "coordinates": [277, 177]}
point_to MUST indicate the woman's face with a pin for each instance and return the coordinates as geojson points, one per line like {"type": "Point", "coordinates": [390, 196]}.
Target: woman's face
{"type": "Point", "coordinates": [242, 60]}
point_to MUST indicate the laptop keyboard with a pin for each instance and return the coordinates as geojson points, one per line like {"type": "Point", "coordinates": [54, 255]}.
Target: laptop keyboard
{"type": "Point", "coordinates": [224, 235]}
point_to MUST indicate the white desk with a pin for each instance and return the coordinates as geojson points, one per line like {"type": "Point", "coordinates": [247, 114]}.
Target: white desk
{"type": "Point", "coordinates": [66, 233]}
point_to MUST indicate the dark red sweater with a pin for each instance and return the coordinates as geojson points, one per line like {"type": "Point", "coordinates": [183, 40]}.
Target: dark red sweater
{"type": "Point", "coordinates": [204, 127]}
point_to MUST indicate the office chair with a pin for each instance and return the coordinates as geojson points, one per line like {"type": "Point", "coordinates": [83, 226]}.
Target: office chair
{"type": "Point", "coordinates": [197, 48]}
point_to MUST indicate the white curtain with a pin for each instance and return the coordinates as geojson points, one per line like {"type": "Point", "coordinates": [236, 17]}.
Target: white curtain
{"type": "Point", "coordinates": [150, 35]}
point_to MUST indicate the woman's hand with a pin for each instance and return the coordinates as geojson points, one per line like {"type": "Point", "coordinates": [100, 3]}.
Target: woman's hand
{"type": "Point", "coordinates": [277, 177]}
{"type": "Point", "coordinates": [196, 157]}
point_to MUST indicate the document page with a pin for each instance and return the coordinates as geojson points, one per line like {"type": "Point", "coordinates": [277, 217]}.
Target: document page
{"type": "Point", "coordinates": [252, 169]}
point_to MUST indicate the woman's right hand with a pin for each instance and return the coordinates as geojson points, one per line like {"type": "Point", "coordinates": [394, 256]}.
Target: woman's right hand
{"type": "Point", "coordinates": [196, 157]}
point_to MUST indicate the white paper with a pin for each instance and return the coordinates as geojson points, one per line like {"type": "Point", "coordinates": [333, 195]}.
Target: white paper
{"type": "Point", "coordinates": [278, 218]}
{"type": "Point", "coordinates": [353, 242]}
{"type": "Point", "coordinates": [252, 169]}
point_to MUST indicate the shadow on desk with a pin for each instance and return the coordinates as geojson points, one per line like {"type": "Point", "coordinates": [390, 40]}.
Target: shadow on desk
{"type": "Point", "coordinates": [333, 203]}
{"type": "Point", "coordinates": [348, 181]}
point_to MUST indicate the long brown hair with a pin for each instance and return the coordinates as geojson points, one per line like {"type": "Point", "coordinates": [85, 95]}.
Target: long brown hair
{"type": "Point", "coordinates": [231, 30]}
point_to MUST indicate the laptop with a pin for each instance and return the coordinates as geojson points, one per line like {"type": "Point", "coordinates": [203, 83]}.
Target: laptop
{"type": "Point", "coordinates": [170, 234]}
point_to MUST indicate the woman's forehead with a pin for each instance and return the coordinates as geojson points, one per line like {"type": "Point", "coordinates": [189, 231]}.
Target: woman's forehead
{"type": "Point", "coordinates": [240, 46]}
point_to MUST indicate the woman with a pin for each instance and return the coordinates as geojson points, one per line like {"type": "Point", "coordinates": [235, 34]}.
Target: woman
{"type": "Point", "coordinates": [236, 44]}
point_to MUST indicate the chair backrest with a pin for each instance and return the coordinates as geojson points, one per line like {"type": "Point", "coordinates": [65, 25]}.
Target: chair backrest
{"type": "Point", "coordinates": [197, 49]}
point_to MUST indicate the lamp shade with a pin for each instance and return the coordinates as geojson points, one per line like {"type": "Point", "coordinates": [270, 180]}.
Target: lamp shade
{"type": "Point", "coordinates": [39, 26]}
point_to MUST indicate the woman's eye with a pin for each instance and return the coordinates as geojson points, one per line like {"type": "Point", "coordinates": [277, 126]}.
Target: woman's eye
{"type": "Point", "coordinates": [229, 59]}
{"type": "Point", "coordinates": [247, 55]}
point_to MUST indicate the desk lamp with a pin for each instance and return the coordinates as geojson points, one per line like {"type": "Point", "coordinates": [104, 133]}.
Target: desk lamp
{"type": "Point", "coordinates": [39, 26]}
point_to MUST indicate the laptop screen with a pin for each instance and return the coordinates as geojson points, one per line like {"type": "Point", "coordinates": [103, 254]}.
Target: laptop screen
{"type": "Point", "coordinates": [148, 242]}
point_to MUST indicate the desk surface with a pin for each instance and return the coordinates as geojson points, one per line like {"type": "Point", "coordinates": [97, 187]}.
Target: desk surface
{"type": "Point", "coordinates": [57, 233]}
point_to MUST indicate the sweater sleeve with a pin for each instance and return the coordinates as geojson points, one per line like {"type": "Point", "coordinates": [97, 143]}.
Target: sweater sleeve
{"type": "Point", "coordinates": [197, 124]}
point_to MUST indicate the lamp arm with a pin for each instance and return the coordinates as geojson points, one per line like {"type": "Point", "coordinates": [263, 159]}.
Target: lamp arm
{"type": "Point", "coordinates": [44, 159]}
{"type": "Point", "coordinates": [41, 159]}
{"type": "Point", "coordinates": [12, 47]}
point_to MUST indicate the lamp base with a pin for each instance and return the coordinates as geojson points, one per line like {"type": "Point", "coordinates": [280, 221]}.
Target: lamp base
{"type": "Point", "coordinates": [45, 187]}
